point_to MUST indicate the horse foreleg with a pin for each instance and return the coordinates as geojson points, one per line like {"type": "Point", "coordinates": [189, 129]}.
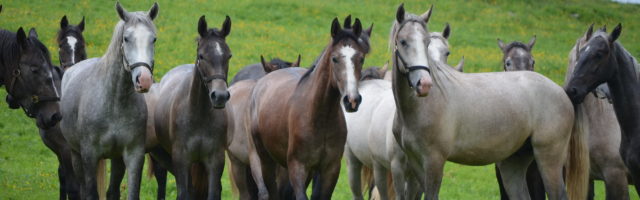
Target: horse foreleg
{"type": "Point", "coordinates": [181, 167]}
{"type": "Point", "coordinates": [239, 176]}
{"type": "Point", "coordinates": [117, 173]}
{"type": "Point", "coordinates": [76, 161]}
{"type": "Point", "coordinates": [215, 167]}
{"type": "Point", "coordinates": [615, 180]}
{"type": "Point", "coordinates": [72, 186]}
{"type": "Point", "coordinates": [354, 169]}
{"type": "Point", "coordinates": [328, 178]}
{"type": "Point", "coordinates": [380, 178]}
{"type": "Point", "coordinates": [513, 172]}
{"type": "Point", "coordinates": [89, 168]}
{"type": "Point", "coordinates": [433, 168]}
{"type": "Point", "coordinates": [134, 160]}
{"type": "Point", "coordinates": [63, 187]}
{"type": "Point", "coordinates": [298, 174]}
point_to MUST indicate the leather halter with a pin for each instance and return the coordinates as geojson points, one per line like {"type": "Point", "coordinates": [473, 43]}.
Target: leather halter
{"type": "Point", "coordinates": [408, 69]}
{"type": "Point", "coordinates": [34, 99]}
{"type": "Point", "coordinates": [207, 79]}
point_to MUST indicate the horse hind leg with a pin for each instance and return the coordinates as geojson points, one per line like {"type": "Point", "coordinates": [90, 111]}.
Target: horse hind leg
{"type": "Point", "coordinates": [550, 159]}
{"type": "Point", "coordinates": [513, 171]}
{"type": "Point", "coordinates": [380, 177]}
{"type": "Point", "coordinates": [240, 178]}
{"type": "Point", "coordinates": [117, 173]}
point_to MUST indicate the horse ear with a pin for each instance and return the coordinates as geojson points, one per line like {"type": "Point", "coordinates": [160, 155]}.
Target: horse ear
{"type": "Point", "coordinates": [202, 26]}
{"type": "Point", "coordinates": [532, 42]}
{"type": "Point", "coordinates": [297, 63]}
{"type": "Point", "coordinates": [369, 30]}
{"type": "Point", "coordinates": [427, 15]}
{"type": "Point", "coordinates": [266, 66]}
{"type": "Point", "coordinates": [460, 65]}
{"type": "Point", "coordinates": [0, 8]}
{"type": "Point", "coordinates": [335, 27]}
{"type": "Point", "coordinates": [226, 26]}
{"type": "Point", "coordinates": [81, 24]}
{"type": "Point", "coordinates": [400, 13]}
{"type": "Point", "coordinates": [447, 31]}
{"type": "Point", "coordinates": [587, 34]}
{"type": "Point", "coordinates": [121, 12]}
{"type": "Point", "coordinates": [604, 28]}
{"type": "Point", "coordinates": [347, 22]}
{"type": "Point", "coordinates": [64, 22]}
{"type": "Point", "coordinates": [384, 68]}
{"type": "Point", "coordinates": [357, 27]}
{"type": "Point", "coordinates": [615, 33]}
{"type": "Point", "coordinates": [33, 33]}
{"type": "Point", "coordinates": [153, 11]}
{"type": "Point", "coordinates": [501, 44]}
{"type": "Point", "coordinates": [21, 37]}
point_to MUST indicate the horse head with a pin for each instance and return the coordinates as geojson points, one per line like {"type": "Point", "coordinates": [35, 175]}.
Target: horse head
{"type": "Point", "coordinates": [213, 60]}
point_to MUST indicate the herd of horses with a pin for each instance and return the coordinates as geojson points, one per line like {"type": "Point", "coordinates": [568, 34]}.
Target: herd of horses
{"type": "Point", "coordinates": [283, 127]}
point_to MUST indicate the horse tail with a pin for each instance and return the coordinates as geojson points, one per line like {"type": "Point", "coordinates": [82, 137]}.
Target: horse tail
{"type": "Point", "coordinates": [578, 166]}
{"type": "Point", "coordinates": [101, 171]}
{"type": "Point", "coordinates": [390, 188]}
{"type": "Point", "coordinates": [150, 166]}
{"type": "Point", "coordinates": [200, 180]}
{"type": "Point", "coordinates": [366, 179]}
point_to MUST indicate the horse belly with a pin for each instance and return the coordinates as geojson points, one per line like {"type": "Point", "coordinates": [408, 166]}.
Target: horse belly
{"type": "Point", "coordinates": [482, 147]}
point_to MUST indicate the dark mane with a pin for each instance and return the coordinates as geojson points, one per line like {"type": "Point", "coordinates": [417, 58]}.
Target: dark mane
{"type": "Point", "coordinates": [9, 53]}
{"type": "Point", "coordinates": [344, 34]}
{"type": "Point", "coordinates": [280, 63]}
{"type": "Point", "coordinates": [516, 44]}
{"type": "Point", "coordinates": [71, 31]}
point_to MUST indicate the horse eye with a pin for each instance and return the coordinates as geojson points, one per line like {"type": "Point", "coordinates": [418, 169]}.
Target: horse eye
{"type": "Point", "coordinates": [361, 60]}
{"type": "Point", "coordinates": [448, 53]}
{"type": "Point", "coordinates": [200, 57]}
{"type": "Point", "coordinates": [508, 63]}
{"type": "Point", "coordinates": [403, 42]}
{"type": "Point", "coordinates": [126, 39]}
{"type": "Point", "coordinates": [334, 59]}
{"type": "Point", "coordinates": [230, 55]}
{"type": "Point", "coordinates": [154, 40]}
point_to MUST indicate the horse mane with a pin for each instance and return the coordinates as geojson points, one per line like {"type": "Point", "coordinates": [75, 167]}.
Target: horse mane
{"type": "Point", "coordinates": [9, 54]}
{"type": "Point", "coordinates": [516, 44]}
{"type": "Point", "coordinates": [344, 34]}
{"type": "Point", "coordinates": [113, 51]}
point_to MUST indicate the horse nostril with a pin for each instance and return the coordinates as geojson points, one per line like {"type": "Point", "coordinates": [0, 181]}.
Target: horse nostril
{"type": "Point", "coordinates": [358, 99]}
{"type": "Point", "coordinates": [56, 117]}
{"type": "Point", "coordinates": [227, 95]}
{"type": "Point", "coordinates": [213, 95]}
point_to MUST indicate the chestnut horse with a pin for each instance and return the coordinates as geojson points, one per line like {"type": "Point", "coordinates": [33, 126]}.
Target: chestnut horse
{"type": "Point", "coordinates": [296, 119]}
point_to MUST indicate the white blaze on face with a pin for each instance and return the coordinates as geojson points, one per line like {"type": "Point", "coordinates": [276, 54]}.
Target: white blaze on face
{"type": "Point", "coordinates": [71, 41]}
{"type": "Point", "coordinates": [347, 53]}
{"type": "Point", "coordinates": [141, 49]}
{"type": "Point", "coordinates": [436, 50]}
{"type": "Point", "coordinates": [218, 49]}
{"type": "Point", "coordinates": [421, 51]}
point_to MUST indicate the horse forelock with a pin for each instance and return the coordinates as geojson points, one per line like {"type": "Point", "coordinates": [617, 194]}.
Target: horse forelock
{"type": "Point", "coordinates": [408, 17]}
{"type": "Point", "coordinates": [73, 32]}
{"type": "Point", "coordinates": [516, 44]}
{"type": "Point", "coordinates": [9, 51]}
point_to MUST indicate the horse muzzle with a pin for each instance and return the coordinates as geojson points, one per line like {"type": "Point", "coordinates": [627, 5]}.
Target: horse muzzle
{"type": "Point", "coordinates": [575, 95]}
{"type": "Point", "coordinates": [142, 77]}
{"type": "Point", "coordinates": [423, 86]}
{"type": "Point", "coordinates": [219, 98]}
{"type": "Point", "coordinates": [351, 102]}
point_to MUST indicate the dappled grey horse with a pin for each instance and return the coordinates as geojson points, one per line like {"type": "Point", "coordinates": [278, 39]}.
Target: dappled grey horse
{"type": "Point", "coordinates": [481, 118]}
{"type": "Point", "coordinates": [105, 117]}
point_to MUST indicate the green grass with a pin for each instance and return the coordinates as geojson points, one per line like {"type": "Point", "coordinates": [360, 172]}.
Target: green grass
{"type": "Point", "coordinates": [286, 28]}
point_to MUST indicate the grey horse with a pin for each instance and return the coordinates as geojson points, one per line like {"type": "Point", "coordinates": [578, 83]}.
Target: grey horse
{"type": "Point", "coordinates": [105, 117]}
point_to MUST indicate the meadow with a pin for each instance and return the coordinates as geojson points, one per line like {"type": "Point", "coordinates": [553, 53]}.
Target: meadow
{"type": "Point", "coordinates": [286, 28]}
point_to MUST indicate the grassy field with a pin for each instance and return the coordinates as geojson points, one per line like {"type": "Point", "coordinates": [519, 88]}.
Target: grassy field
{"type": "Point", "coordinates": [286, 28]}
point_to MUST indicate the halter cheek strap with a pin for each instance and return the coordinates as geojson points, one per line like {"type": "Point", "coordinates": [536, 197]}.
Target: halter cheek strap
{"type": "Point", "coordinates": [407, 69]}
{"type": "Point", "coordinates": [207, 79]}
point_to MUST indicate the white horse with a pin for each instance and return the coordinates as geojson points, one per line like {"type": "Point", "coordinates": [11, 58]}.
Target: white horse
{"type": "Point", "coordinates": [482, 118]}
{"type": "Point", "coordinates": [370, 140]}
{"type": "Point", "coordinates": [105, 116]}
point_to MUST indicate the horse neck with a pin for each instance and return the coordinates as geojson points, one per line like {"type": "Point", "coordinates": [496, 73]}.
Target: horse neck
{"type": "Point", "coordinates": [624, 91]}
{"type": "Point", "coordinates": [116, 80]}
{"type": "Point", "coordinates": [198, 92]}
{"type": "Point", "coordinates": [320, 90]}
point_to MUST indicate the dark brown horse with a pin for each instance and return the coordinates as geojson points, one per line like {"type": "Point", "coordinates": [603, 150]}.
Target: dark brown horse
{"type": "Point", "coordinates": [310, 140]}
{"type": "Point", "coordinates": [71, 43]}
{"type": "Point", "coordinates": [258, 70]}
{"type": "Point", "coordinates": [190, 119]}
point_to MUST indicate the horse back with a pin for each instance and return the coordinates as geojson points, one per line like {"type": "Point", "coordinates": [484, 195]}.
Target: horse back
{"type": "Point", "coordinates": [249, 72]}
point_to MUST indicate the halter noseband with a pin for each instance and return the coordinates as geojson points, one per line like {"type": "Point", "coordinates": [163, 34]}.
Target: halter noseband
{"type": "Point", "coordinates": [408, 69]}
{"type": "Point", "coordinates": [34, 99]}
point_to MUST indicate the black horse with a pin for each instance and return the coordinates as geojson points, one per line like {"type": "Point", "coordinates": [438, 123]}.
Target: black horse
{"type": "Point", "coordinates": [603, 60]}
{"type": "Point", "coordinates": [32, 83]}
